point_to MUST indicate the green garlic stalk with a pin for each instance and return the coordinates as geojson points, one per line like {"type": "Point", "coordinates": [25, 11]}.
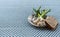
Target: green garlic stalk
{"type": "Point", "coordinates": [41, 13]}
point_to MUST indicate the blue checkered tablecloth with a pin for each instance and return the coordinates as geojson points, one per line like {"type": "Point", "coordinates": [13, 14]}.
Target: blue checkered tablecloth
{"type": "Point", "coordinates": [14, 14]}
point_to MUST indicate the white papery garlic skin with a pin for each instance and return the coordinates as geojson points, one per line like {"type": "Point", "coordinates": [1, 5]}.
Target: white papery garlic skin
{"type": "Point", "coordinates": [38, 22]}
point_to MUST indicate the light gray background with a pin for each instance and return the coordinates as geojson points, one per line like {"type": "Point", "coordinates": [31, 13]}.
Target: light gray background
{"type": "Point", "coordinates": [14, 14]}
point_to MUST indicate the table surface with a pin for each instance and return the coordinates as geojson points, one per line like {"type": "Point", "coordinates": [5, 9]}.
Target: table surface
{"type": "Point", "coordinates": [14, 14]}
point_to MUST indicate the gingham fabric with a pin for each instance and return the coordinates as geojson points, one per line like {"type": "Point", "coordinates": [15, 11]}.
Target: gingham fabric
{"type": "Point", "coordinates": [14, 14]}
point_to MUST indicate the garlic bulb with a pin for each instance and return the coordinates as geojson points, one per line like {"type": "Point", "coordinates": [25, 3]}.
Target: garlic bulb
{"type": "Point", "coordinates": [36, 22]}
